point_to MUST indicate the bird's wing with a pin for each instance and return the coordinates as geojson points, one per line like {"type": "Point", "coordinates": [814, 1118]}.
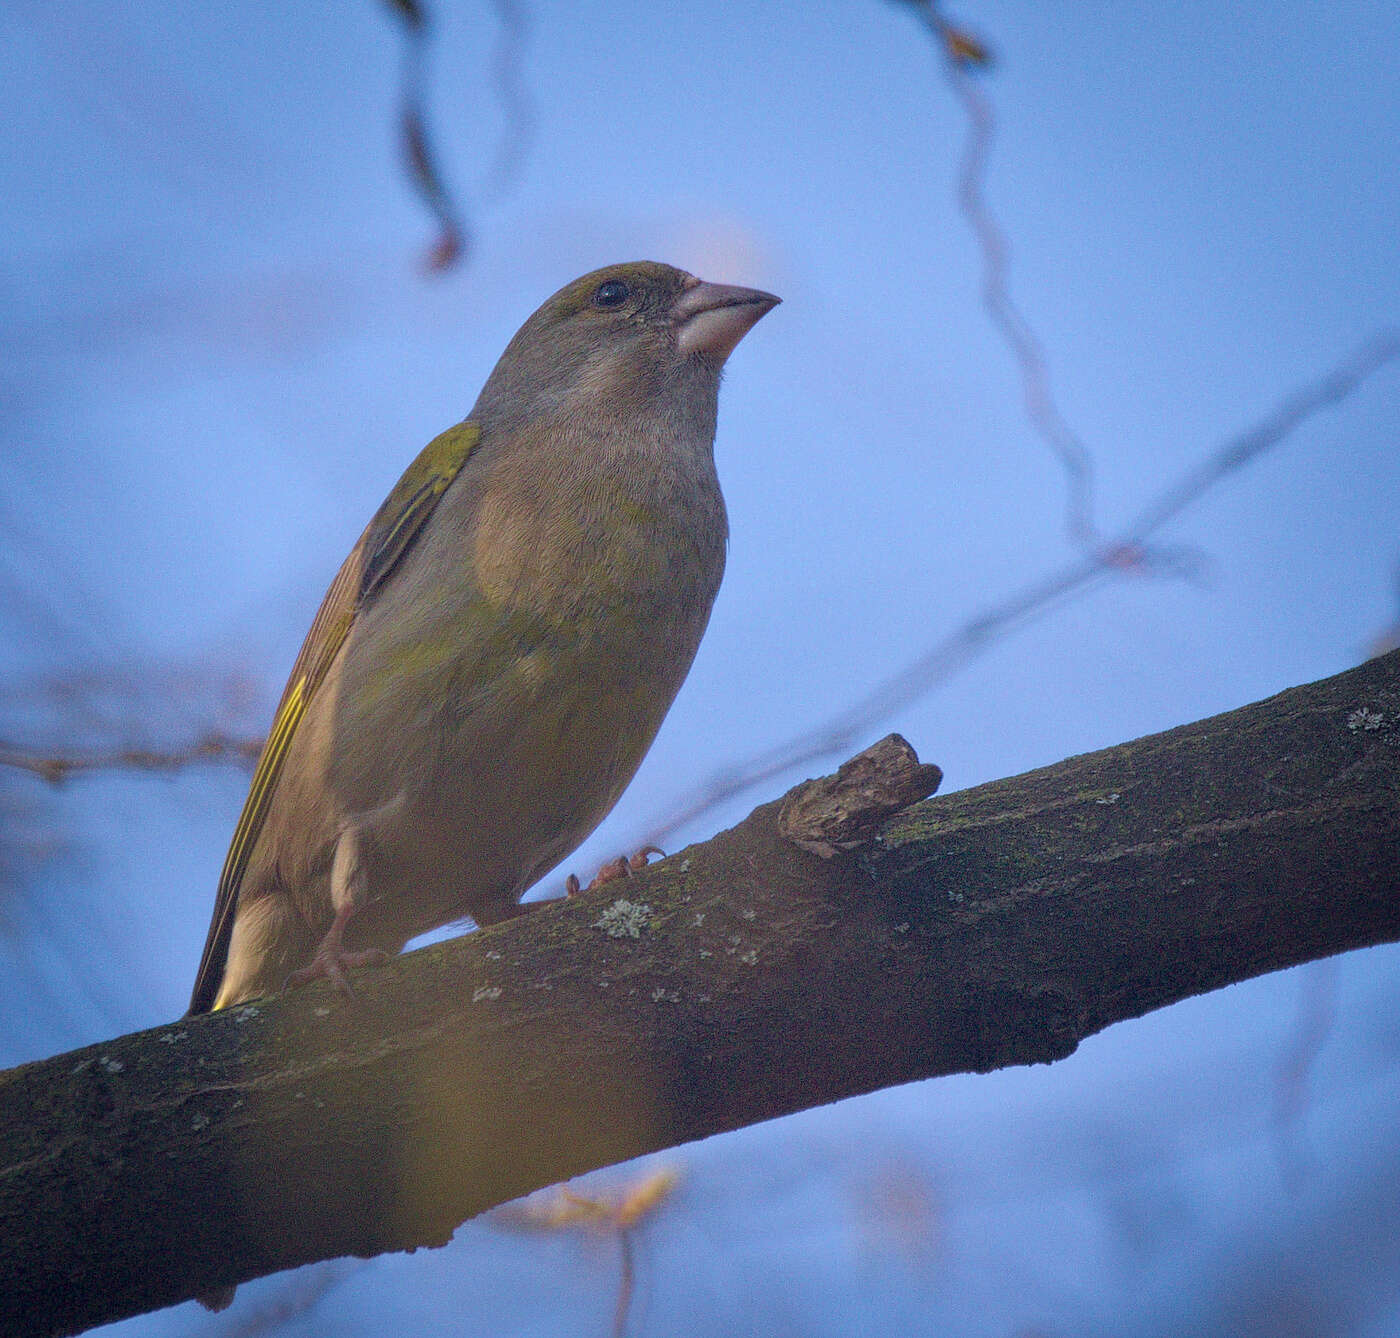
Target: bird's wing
{"type": "Point", "coordinates": [371, 562]}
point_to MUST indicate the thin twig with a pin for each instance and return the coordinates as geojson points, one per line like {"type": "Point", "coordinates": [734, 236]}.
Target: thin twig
{"type": "Point", "coordinates": [59, 767]}
{"type": "Point", "coordinates": [962, 56]}
{"type": "Point", "coordinates": [454, 237]}
{"type": "Point", "coordinates": [627, 1282]}
{"type": "Point", "coordinates": [837, 736]}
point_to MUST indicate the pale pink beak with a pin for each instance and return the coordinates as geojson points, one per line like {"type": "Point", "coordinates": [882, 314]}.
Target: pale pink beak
{"type": "Point", "coordinates": [712, 317]}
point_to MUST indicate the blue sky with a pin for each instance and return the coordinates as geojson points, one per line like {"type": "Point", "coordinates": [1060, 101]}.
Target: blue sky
{"type": "Point", "coordinates": [222, 349]}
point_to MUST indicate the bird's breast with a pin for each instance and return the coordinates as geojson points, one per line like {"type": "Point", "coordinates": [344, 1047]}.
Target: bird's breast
{"type": "Point", "coordinates": [542, 629]}
{"type": "Point", "coordinates": [502, 712]}
{"type": "Point", "coordinates": [631, 550]}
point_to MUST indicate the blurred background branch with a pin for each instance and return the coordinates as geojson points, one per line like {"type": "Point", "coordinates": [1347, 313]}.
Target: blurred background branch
{"type": "Point", "coordinates": [59, 767]}
{"type": "Point", "coordinates": [420, 155]}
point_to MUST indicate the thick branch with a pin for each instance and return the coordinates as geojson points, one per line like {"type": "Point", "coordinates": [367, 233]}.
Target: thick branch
{"type": "Point", "coordinates": [996, 926]}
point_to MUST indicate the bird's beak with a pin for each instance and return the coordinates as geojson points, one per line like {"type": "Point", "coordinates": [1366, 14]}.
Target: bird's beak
{"type": "Point", "coordinates": [712, 317]}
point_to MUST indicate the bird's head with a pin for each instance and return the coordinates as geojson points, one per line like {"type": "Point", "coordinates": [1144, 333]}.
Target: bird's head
{"type": "Point", "coordinates": [622, 335]}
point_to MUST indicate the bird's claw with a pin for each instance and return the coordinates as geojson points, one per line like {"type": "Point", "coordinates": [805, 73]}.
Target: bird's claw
{"type": "Point", "coordinates": [621, 867]}
{"type": "Point", "coordinates": [332, 964]}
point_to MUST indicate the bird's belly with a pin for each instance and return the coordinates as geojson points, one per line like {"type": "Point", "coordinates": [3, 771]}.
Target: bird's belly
{"type": "Point", "coordinates": [469, 801]}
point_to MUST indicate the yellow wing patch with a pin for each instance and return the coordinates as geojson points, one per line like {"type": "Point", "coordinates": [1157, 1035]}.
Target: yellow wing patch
{"type": "Point", "coordinates": [250, 821]}
{"type": "Point", "coordinates": [388, 537]}
{"type": "Point", "coordinates": [399, 520]}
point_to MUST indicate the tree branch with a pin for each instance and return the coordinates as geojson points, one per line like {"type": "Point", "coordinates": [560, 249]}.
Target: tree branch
{"type": "Point", "coordinates": [745, 979]}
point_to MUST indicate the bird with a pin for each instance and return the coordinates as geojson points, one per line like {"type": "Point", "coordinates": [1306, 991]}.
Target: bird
{"type": "Point", "coordinates": [497, 652]}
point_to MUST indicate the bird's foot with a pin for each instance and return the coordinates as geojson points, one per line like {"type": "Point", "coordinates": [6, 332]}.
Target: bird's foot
{"type": "Point", "coordinates": [621, 867]}
{"type": "Point", "coordinates": [331, 962]}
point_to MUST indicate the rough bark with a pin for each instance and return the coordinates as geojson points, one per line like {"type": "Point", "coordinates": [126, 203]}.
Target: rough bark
{"type": "Point", "coordinates": [740, 980]}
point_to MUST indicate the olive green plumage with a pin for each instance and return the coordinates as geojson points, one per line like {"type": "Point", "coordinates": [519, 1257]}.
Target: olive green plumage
{"type": "Point", "coordinates": [496, 654]}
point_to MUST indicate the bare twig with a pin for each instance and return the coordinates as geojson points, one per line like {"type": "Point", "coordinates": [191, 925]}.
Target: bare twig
{"type": "Point", "coordinates": [453, 237]}
{"type": "Point", "coordinates": [59, 767]}
{"type": "Point", "coordinates": [841, 732]}
{"type": "Point", "coordinates": [1330, 389]}
{"type": "Point", "coordinates": [563, 1208]}
{"type": "Point", "coordinates": [962, 56]}
{"type": "Point", "coordinates": [627, 1283]}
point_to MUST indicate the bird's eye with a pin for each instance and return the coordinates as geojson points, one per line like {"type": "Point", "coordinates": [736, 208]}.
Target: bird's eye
{"type": "Point", "coordinates": [612, 293]}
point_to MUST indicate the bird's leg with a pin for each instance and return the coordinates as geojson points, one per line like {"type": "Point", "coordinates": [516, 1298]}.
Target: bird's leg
{"type": "Point", "coordinates": [332, 959]}
{"type": "Point", "coordinates": [621, 867]}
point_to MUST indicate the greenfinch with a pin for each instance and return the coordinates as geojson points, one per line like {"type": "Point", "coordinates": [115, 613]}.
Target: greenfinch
{"type": "Point", "coordinates": [497, 652]}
